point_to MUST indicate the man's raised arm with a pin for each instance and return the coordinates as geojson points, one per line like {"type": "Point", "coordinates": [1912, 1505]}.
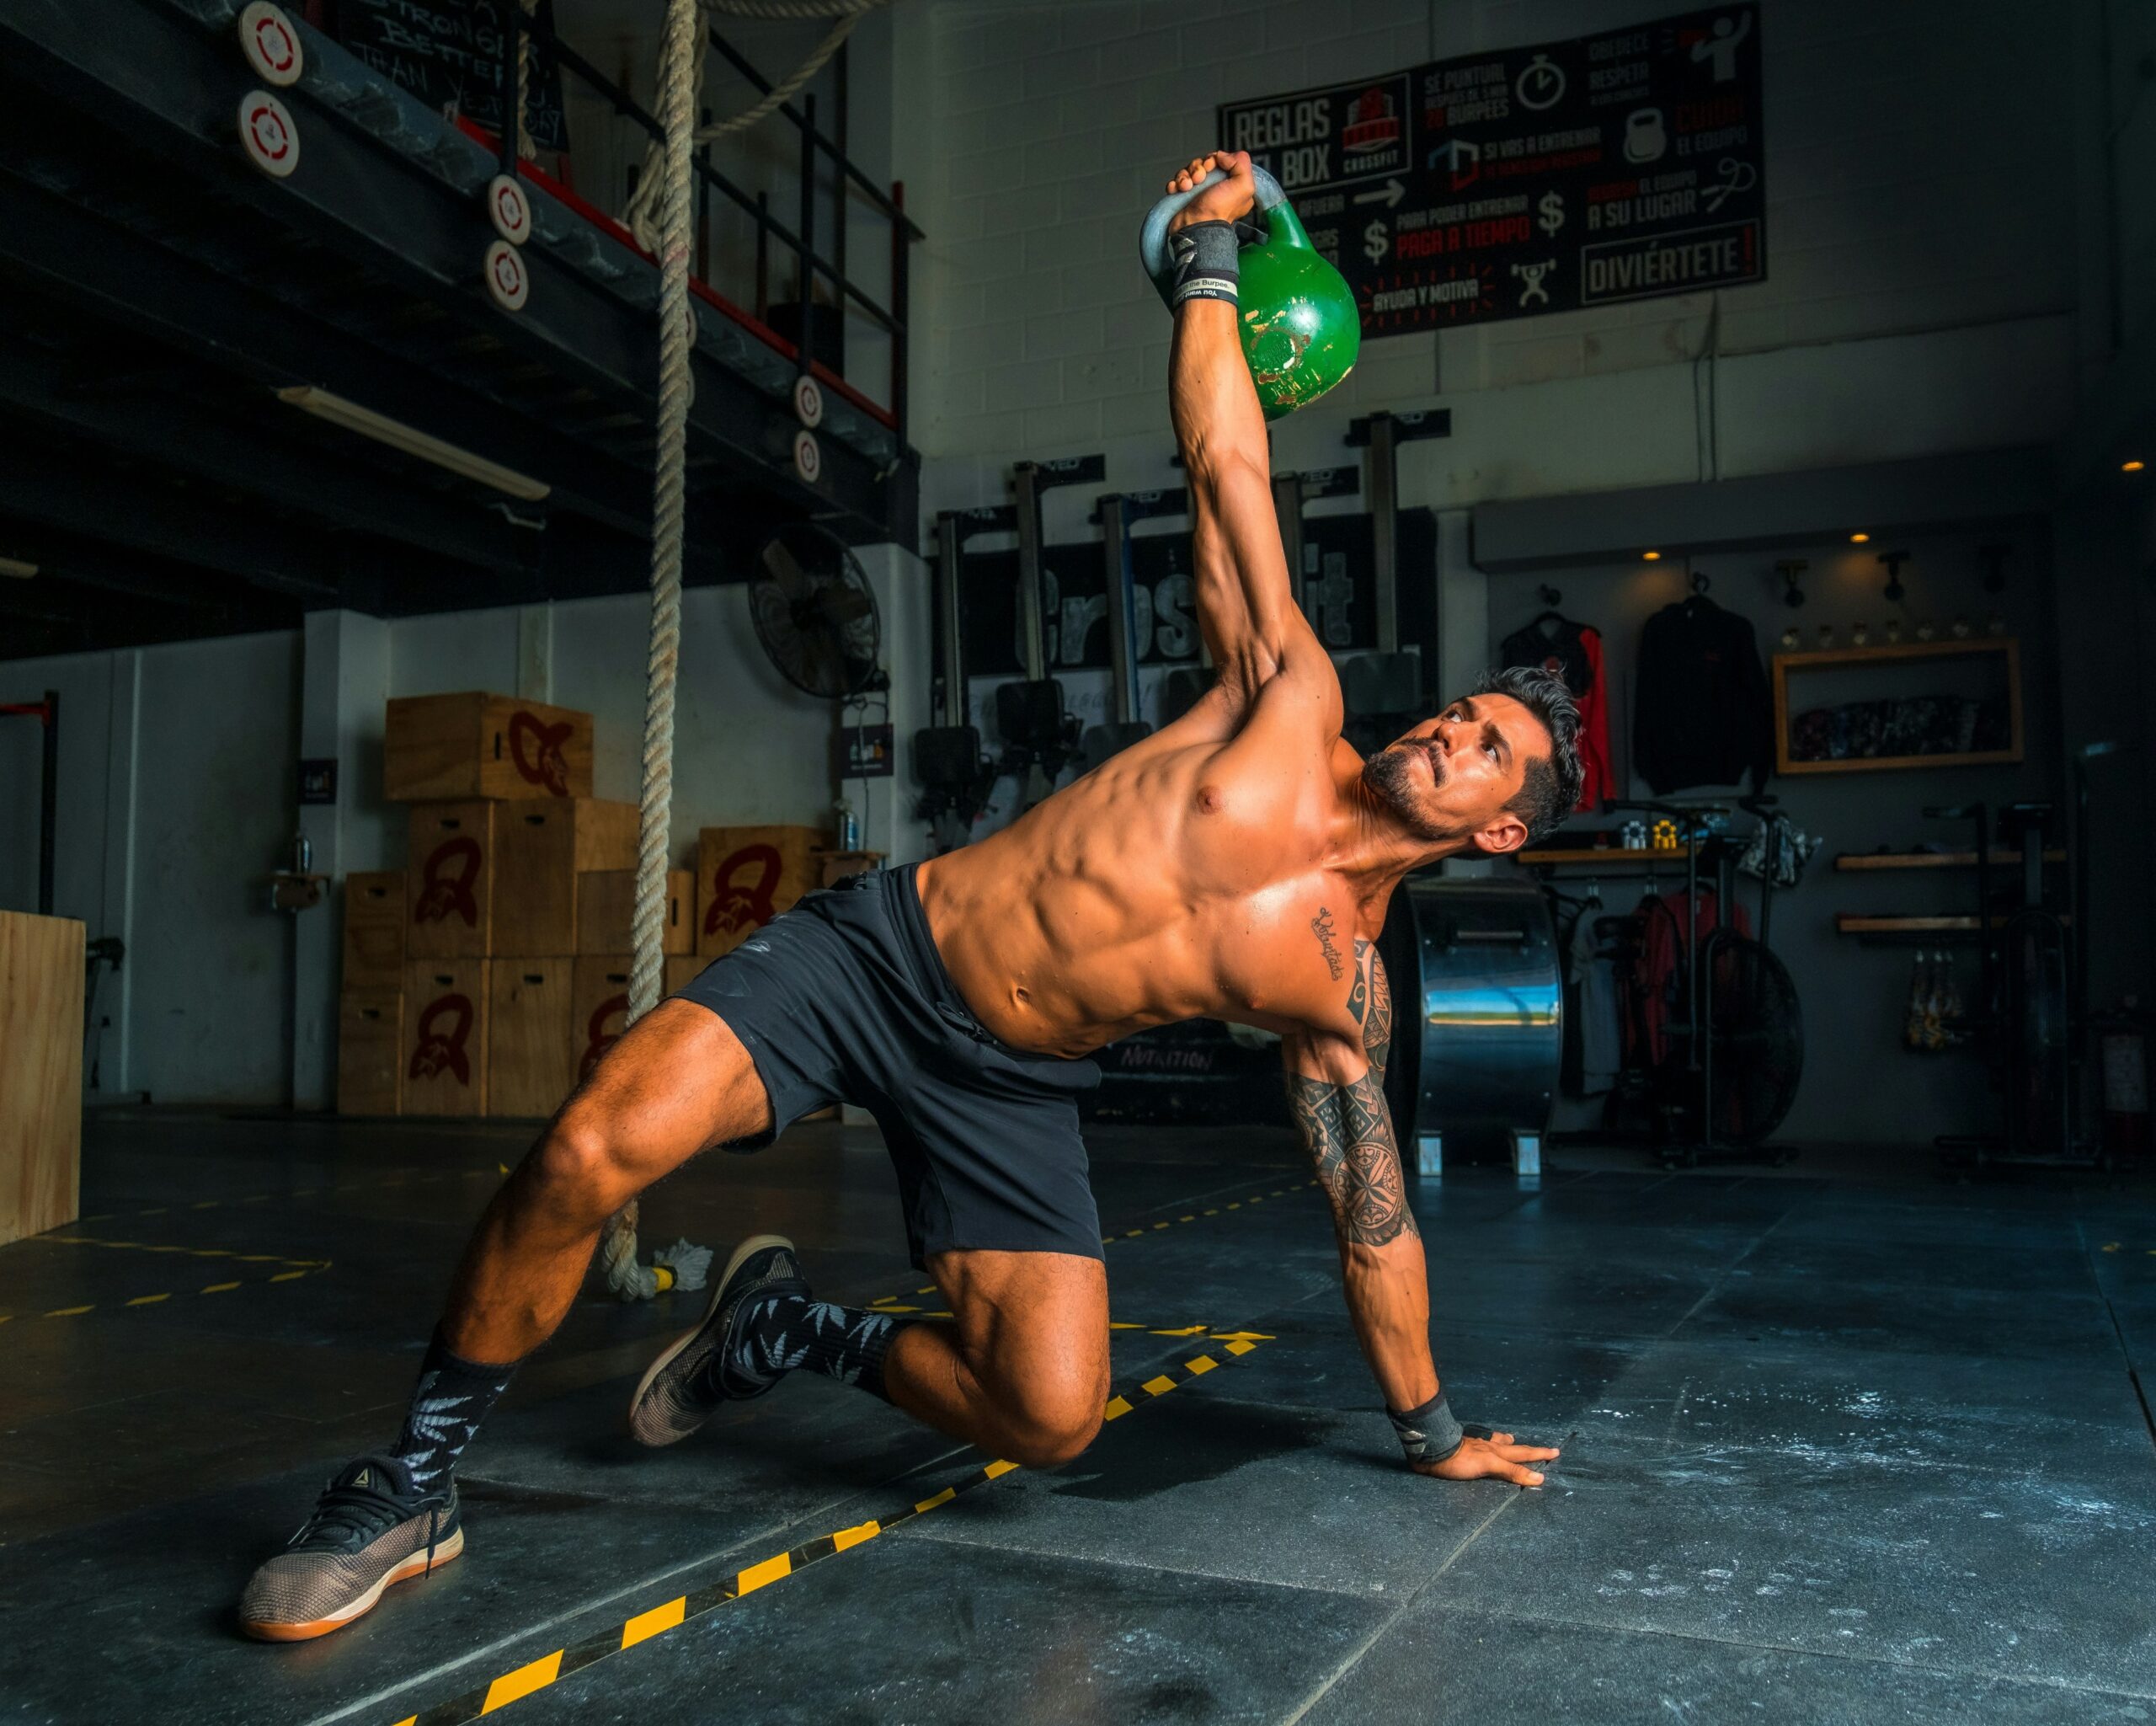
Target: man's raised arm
{"type": "Point", "coordinates": [1336, 1097]}
{"type": "Point", "coordinates": [1251, 625]}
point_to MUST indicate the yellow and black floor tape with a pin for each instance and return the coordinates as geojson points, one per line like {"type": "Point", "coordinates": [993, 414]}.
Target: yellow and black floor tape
{"type": "Point", "coordinates": [550, 1669]}
{"type": "Point", "coordinates": [122, 1302]}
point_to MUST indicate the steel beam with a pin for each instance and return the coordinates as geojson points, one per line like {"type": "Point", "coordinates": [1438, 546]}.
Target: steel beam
{"type": "Point", "coordinates": [157, 427]}
{"type": "Point", "coordinates": [172, 87]}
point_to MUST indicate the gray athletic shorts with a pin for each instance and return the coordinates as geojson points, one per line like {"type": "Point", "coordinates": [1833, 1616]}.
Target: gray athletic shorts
{"type": "Point", "coordinates": [845, 999]}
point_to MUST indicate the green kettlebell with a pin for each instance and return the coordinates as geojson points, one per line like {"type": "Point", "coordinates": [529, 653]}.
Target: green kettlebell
{"type": "Point", "coordinates": [1301, 329]}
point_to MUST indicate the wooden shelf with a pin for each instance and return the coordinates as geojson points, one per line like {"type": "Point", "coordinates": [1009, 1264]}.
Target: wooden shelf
{"type": "Point", "coordinates": [1850, 922]}
{"type": "Point", "coordinates": [1608, 854]}
{"type": "Point", "coordinates": [1814, 659]}
{"type": "Point", "coordinates": [1933, 859]}
{"type": "Point", "coordinates": [1783, 664]}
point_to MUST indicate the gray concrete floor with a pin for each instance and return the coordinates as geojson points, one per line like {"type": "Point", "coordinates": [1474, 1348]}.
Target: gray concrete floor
{"type": "Point", "coordinates": [1837, 1447]}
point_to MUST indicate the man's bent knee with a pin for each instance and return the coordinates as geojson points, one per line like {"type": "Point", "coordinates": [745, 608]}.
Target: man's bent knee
{"type": "Point", "coordinates": [581, 1169]}
{"type": "Point", "coordinates": [1048, 1431]}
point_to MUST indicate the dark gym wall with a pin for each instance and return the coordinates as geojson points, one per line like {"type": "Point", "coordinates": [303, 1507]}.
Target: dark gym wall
{"type": "Point", "coordinates": [1853, 995]}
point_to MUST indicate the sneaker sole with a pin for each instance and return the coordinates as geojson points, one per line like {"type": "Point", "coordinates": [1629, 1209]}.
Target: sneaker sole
{"type": "Point", "coordinates": [742, 1254]}
{"type": "Point", "coordinates": [420, 1563]}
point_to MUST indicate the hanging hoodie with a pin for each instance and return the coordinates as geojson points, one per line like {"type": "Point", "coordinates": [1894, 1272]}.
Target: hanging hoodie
{"type": "Point", "coordinates": [1573, 651]}
{"type": "Point", "coordinates": [1701, 711]}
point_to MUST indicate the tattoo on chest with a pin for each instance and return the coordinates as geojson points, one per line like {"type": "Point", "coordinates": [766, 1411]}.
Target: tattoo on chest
{"type": "Point", "coordinates": [1321, 927]}
{"type": "Point", "coordinates": [1348, 1132]}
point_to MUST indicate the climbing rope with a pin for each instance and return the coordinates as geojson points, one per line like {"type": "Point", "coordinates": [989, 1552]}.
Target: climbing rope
{"type": "Point", "coordinates": [642, 214]}
{"type": "Point", "coordinates": [525, 147]}
{"type": "Point", "coordinates": [661, 215]}
{"type": "Point", "coordinates": [681, 52]}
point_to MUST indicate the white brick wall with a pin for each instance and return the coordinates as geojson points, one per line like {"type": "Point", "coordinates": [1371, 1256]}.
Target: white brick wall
{"type": "Point", "coordinates": [1917, 155]}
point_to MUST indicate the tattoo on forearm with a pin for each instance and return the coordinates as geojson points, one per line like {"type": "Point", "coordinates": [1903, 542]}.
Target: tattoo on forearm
{"type": "Point", "coordinates": [1348, 1132]}
{"type": "Point", "coordinates": [1372, 1007]}
{"type": "Point", "coordinates": [1321, 927]}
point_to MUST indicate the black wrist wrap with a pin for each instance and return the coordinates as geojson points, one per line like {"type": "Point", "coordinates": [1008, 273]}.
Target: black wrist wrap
{"type": "Point", "coordinates": [1206, 268]}
{"type": "Point", "coordinates": [1428, 1433]}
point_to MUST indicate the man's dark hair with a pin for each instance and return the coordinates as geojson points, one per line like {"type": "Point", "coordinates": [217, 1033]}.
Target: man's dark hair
{"type": "Point", "coordinates": [1549, 789]}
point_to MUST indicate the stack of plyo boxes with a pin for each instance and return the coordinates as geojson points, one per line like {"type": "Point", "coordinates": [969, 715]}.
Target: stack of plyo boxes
{"type": "Point", "coordinates": [460, 969]}
{"type": "Point", "coordinates": [490, 973]}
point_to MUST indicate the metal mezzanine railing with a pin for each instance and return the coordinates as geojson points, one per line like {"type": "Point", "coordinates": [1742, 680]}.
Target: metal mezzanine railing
{"type": "Point", "coordinates": [800, 238]}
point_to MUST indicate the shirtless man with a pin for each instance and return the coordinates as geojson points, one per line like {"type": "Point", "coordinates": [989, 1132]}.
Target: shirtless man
{"type": "Point", "coordinates": [1236, 864]}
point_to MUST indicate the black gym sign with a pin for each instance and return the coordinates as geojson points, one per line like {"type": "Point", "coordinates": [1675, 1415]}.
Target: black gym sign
{"type": "Point", "coordinates": [1621, 166]}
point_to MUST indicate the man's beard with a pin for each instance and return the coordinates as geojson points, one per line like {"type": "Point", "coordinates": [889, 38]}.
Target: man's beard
{"type": "Point", "coordinates": [1388, 775]}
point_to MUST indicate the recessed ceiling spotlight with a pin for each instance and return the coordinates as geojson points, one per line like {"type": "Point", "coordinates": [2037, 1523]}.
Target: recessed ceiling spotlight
{"type": "Point", "coordinates": [2132, 467]}
{"type": "Point", "coordinates": [1651, 556]}
{"type": "Point", "coordinates": [1859, 539]}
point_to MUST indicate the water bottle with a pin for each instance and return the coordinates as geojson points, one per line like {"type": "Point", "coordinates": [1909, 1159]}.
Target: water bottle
{"type": "Point", "coordinates": [1913, 1034]}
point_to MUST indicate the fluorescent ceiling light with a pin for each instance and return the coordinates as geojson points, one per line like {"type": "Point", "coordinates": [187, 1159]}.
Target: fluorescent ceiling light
{"type": "Point", "coordinates": [412, 441]}
{"type": "Point", "coordinates": [17, 568]}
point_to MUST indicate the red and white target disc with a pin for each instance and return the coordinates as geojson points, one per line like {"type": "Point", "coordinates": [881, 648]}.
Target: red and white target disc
{"type": "Point", "coordinates": [508, 209]}
{"type": "Point", "coordinates": [267, 133]}
{"type": "Point", "coordinates": [809, 400]}
{"type": "Point", "coordinates": [507, 279]}
{"type": "Point", "coordinates": [807, 457]}
{"type": "Point", "coordinates": [271, 43]}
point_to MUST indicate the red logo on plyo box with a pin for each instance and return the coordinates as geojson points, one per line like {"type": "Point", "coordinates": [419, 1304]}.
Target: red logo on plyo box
{"type": "Point", "coordinates": [452, 874]}
{"type": "Point", "coordinates": [599, 1036]}
{"type": "Point", "coordinates": [441, 1051]}
{"type": "Point", "coordinates": [736, 909]}
{"type": "Point", "coordinates": [536, 749]}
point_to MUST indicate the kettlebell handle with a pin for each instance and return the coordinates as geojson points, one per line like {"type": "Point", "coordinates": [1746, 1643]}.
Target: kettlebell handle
{"type": "Point", "coordinates": [1153, 236]}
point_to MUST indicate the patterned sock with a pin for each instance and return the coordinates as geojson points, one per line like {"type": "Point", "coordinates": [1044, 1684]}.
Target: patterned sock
{"type": "Point", "coordinates": [451, 1399]}
{"type": "Point", "coordinates": [785, 1330]}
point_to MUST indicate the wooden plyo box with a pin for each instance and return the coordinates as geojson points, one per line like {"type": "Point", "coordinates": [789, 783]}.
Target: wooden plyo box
{"type": "Point", "coordinates": [374, 929]}
{"type": "Point", "coordinates": [600, 1009]}
{"type": "Point", "coordinates": [600, 1012]}
{"type": "Point", "coordinates": [540, 847]}
{"type": "Point", "coordinates": [370, 1050]}
{"type": "Point", "coordinates": [746, 876]}
{"type": "Point", "coordinates": [40, 1073]}
{"type": "Point", "coordinates": [449, 881]}
{"type": "Point", "coordinates": [450, 746]}
{"type": "Point", "coordinates": [835, 866]}
{"type": "Point", "coordinates": [605, 911]}
{"type": "Point", "coordinates": [444, 1041]}
{"type": "Point", "coordinates": [529, 1064]}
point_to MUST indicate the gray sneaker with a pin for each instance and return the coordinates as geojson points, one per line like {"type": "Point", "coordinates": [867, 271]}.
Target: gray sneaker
{"type": "Point", "coordinates": [684, 1386]}
{"type": "Point", "coordinates": [369, 1529]}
